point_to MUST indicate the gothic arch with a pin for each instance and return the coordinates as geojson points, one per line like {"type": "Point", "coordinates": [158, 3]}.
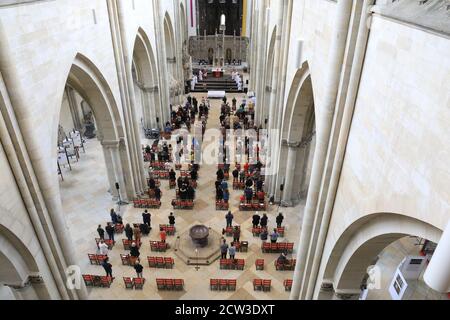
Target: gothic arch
{"type": "Point", "coordinates": [358, 246]}
{"type": "Point", "coordinates": [17, 264]}
{"type": "Point", "coordinates": [184, 26]}
{"type": "Point", "coordinates": [298, 133]}
{"type": "Point", "coordinates": [169, 40]}
{"type": "Point", "coordinates": [144, 63]}
{"type": "Point", "coordinates": [88, 81]}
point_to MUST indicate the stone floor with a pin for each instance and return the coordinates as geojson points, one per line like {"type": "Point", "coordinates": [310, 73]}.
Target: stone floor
{"type": "Point", "coordinates": [87, 202]}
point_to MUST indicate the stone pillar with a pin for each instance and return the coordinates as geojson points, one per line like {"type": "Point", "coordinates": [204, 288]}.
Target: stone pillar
{"type": "Point", "coordinates": [73, 108]}
{"type": "Point", "coordinates": [110, 172]}
{"type": "Point", "coordinates": [114, 167]}
{"type": "Point", "coordinates": [337, 51]}
{"type": "Point", "coordinates": [290, 173]}
{"type": "Point", "coordinates": [437, 275]}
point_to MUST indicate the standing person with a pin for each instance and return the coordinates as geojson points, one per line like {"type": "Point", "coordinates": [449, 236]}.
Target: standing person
{"type": "Point", "coordinates": [274, 236]}
{"type": "Point", "coordinates": [162, 235]}
{"type": "Point", "coordinates": [235, 175]}
{"type": "Point", "coordinates": [147, 218]}
{"type": "Point", "coordinates": [103, 248]}
{"type": "Point", "coordinates": [255, 220]}
{"type": "Point", "coordinates": [229, 218]}
{"type": "Point", "coordinates": [113, 215]}
{"type": "Point", "coordinates": [279, 220]}
{"type": "Point", "coordinates": [137, 235]}
{"type": "Point", "coordinates": [110, 231]}
{"type": "Point", "coordinates": [232, 251]}
{"type": "Point", "coordinates": [139, 268]}
{"type": "Point", "coordinates": [223, 249]}
{"type": "Point", "coordinates": [129, 232]}
{"type": "Point", "coordinates": [236, 234]}
{"type": "Point", "coordinates": [242, 176]}
{"type": "Point", "coordinates": [101, 232]}
{"type": "Point", "coordinates": [158, 193]}
{"type": "Point", "coordinates": [134, 250]}
{"type": "Point", "coordinates": [264, 234]}
{"type": "Point", "coordinates": [172, 219]}
{"type": "Point", "coordinates": [220, 175]}
{"type": "Point", "coordinates": [264, 220]}
{"type": "Point", "coordinates": [226, 196]}
{"type": "Point", "coordinates": [108, 267]}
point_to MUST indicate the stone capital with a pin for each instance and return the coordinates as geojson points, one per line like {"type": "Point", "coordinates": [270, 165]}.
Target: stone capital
{"type": "Point", "coordinates": [110, 143]}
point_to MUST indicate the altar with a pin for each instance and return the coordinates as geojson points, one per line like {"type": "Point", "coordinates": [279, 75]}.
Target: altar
{"type": "Point", "coordinates": [216, 94]}
{"type": "Point", "coordinates": [217, 73]}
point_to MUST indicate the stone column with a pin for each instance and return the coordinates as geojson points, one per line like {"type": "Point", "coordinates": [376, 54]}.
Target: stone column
{"type": "Point", "coordinates": [114, 167]}
{"type": "Point", "coordinates": [73, 108]}
{"type": "Point", "coordinates": [110, 172]}
{"type": "Point", "coordinates": [437, 275]}
{"type": "Point", "coordinates": [337, 51]}
{"type": "Point", "coordinates": [290, 173]}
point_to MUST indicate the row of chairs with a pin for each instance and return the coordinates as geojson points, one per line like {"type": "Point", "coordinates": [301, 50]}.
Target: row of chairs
{"type": "Point", "coordinates": [229, 230]}
{"type": "Point", "coordinates": [170, 230]}
{"type": "Point", "coordinates": [241, 246]}
{"type": "Point", "coordinates": [108, 242]}
{"type": "Point", "coordinates": [118, 228]}
{"type": "Point", "coordinates": [128, 260]}
{"type": "Point", "coordinates": [277, 247]}
{"type": "Point", "coordinates": [222, 284]}
{"type": "Point", "coordinates": [160, 174]}
{"type": "Point", "coordinates": [290, 266]}
{"type": "Point", "coordinates": [159, 246]}
{"type": "Point", "coordinates": [158, 165]}
{"type": "Point", "coordinates": [96, 259]}
{"type": "Point", "coordinates": [255, 205]}
{"type": "Point", "coordinates": [161, 262]}
{"type": "Point", "coordinates": [127, 244]}
{"type": "Point", "coordinates": [97, 281]}
{"type": "Point", "coordinates": [262, 284]}
{"type": "Point", "coordinates": [170, 284]}
{"type": "Point", "coordinates": [183, 204]}
{"type": "Point", "coordinates": [257, 231]}
{"type": "Point", "coordinates": [222, 205]}
{"type": "Point", "coordinates": [147, 203]}
{"type": "Point", "coordinates": [157, 182]}
{"type": "Point", "coordinates": [134, 283]}
{"type": "Point", "coordinates": [232, 264]}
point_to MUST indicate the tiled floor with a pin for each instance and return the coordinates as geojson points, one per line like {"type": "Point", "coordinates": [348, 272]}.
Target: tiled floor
{"type": "Point", "coordinates": [87, 203]}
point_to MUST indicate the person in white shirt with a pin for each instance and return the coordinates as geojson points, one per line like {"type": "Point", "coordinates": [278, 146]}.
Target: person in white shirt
{"type": "Point", "coordinates": [200, 75]}
{"type": "Point", "coordinates": [103, 248]}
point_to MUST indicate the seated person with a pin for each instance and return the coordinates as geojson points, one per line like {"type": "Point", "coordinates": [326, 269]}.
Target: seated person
{"type": "Point", "coordinates": [283, 260]}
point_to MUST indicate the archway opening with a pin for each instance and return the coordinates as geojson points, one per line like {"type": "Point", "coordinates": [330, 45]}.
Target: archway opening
{"type": "Point", "coordinates": [299, 131]}
{"type": "Point", "coordinates": [93, 163]}
{"type": "Point", "coordinates": [146, 87]}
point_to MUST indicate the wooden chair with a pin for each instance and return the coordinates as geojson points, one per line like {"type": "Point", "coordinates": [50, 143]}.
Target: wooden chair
{"type": "Point", "coordinates": [259, 263]}
{"type": "Point", "coordinates": [178, 284]}
{"type": "Point", "coordinates": [232, 285]}
{"type": "Point", "coordinates": [139, 283]}
{"type": "Point", "coordinates": [287, 284]}
{"type": "Point", "coordinates": [257, 284]}
{"type": "Point", "coordinates": [213, 284]}
{"type": "Point", "coordinates": [266, 285]}
{"type": "Point", "coordinates": [129, 284]}
{"type": "Point", "coordinates": [88, 280]}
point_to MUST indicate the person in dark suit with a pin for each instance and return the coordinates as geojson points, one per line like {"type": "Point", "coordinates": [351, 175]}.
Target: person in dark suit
{"type": "Point", "coordinates": [101, 232]}
{"type": "Point", "coordinates": [255, 220]}
{"type": "Point", "coordinates": [229, 219]}
{"type": "Point", "coordinates": [146, 218]}
{"type": "Point", "coordinates": [108, 267]}
{"type": "Point", "coordinates": [171, 219]}
{"type": "Point", "coordinates": [129, 232]}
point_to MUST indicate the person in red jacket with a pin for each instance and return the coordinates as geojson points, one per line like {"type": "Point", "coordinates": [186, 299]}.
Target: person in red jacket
{"type": "Point", "coordinates": [162, 235]}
